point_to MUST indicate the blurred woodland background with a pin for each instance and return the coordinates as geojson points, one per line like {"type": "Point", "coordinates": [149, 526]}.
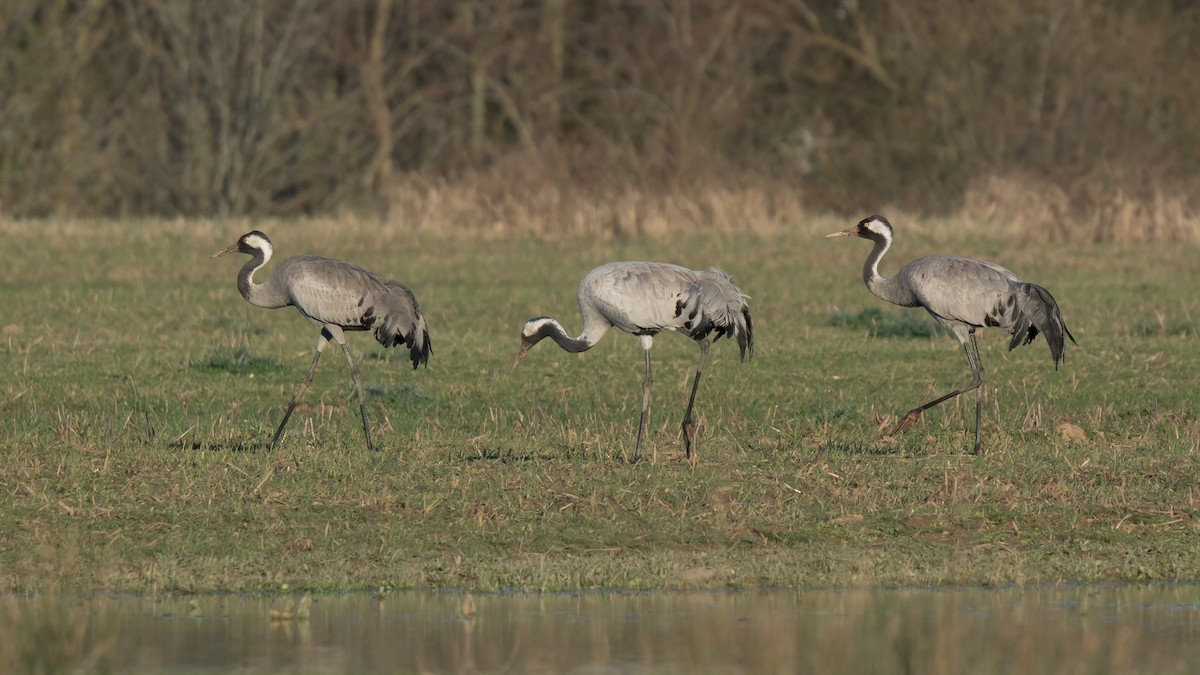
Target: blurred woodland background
{"type": "Point", "coordinates": [1066, 118]}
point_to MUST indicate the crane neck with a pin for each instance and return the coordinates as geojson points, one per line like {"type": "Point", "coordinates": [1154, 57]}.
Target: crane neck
{"type": "Point", "coordinates": [885, 288]}
{"type": "Point", "coordinates": [554, 330]}
{"type": "Point", "coordinates": [260, 295]}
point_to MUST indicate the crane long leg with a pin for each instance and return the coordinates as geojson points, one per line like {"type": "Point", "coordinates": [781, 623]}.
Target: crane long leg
{"type": "Point", "coordinates": [362, 408]}
{"type": "Point", "coordinates": [977, 374]}
{"type": "Point", "coordinates": [689, 426]}
{"type": "Point", "coordinates": [637, 451]}
{"type": "Point", "coordinates": [972, 351]}
{"type": "Point", "coordinates": [321, 342]}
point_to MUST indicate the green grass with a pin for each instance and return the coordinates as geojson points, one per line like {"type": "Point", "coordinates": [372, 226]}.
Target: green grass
{"type": "Point", "coordinates": [140, 390]}
{"type": "Point", "coordinates": [897, 323]}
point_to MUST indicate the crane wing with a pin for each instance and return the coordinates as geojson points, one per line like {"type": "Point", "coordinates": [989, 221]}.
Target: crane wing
{"type": "Point", "coordinates": [637, 297]}
{"type": "Point", "coordinates": [329, 291]}
{"type": "Point", "coordinates": [645, 298]}
{"type": "Point", "coordinates": [959, 289]}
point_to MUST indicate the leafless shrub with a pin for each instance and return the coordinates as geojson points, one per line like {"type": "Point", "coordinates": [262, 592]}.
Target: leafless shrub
{"type": "Point", "coordinates": [604, 118]}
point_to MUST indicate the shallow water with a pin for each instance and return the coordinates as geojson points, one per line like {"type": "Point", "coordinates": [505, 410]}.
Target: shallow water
{"type": "Point", "coordinates": [1071, 629]}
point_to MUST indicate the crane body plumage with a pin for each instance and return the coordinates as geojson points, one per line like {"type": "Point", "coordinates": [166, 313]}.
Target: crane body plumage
{"type": "Point", "coordinates": [963, 294]}
{"type": "Point", "coordinates": [645, 299]}
{"type": "Point", "coordinates": [336, 296]}
{"type": "Point", "coordinates": [329, 291]}
{"type": "Point", "coordinates": [977, 294]}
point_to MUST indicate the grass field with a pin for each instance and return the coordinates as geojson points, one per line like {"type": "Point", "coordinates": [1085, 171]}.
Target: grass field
{"type": "Point", "coordinates": [138, 391]}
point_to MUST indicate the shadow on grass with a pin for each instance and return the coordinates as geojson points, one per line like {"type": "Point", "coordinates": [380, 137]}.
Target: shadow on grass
{"type": "Point", "coordinates": [503, 456]}
{"type": "Point", "coordinates": [1165, 328]}
{"type": "Point", "coordinates": [861, 449]}
{"type": "Point", "coordinates": [404, 392]}
{"type": "Point", "coordinates": [236, 360]}
{"type": "Point", "coordinates": [225, 445]}
{"type": "Point", "coordinates": [878, 323]}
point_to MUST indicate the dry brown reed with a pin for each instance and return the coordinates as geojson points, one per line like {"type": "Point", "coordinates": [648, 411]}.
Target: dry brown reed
{"type": "Point", "coordinates": [507, 201]}
{"type": "Point", "coordinates": [1100, 209]}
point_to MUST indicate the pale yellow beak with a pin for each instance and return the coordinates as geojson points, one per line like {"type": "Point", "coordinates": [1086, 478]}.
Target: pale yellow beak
{"type": "Point", "coordinates": [232, 248]}
{"type": "Point", "coordinates": [520, 355]}
{"type": "Point", "coordinates": [841, 233]}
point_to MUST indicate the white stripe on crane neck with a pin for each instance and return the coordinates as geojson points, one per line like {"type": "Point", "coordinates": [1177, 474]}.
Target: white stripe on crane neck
{"type": "Point", "coordinates": [260, 243]}
{"type": "Point", "coordinates": [535, 325]}
{"type": "Point", "coordinates": [879, 227]}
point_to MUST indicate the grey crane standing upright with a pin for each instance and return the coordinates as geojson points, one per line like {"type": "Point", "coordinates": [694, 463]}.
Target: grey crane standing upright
{"type": "Point", "coordinates": [338, 297]}
{"type": "Point", "coordinates": [962, 294]}
{"type": "Point", "coordinates": [644, 299]}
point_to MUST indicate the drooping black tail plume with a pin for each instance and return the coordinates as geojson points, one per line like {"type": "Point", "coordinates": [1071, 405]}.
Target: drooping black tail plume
{"type": "Point", "coordinates": [745, 336]}
{"type": "Point", "coordinates": [401, 322]}
{"type": "Point", "coordinates": [1037, 312]}
{"type": "Point", "coordinates": [724, 310]}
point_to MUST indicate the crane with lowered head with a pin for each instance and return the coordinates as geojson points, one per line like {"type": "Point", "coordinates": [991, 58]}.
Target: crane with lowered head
{"type": "Point", "coordinates": [644, 299]}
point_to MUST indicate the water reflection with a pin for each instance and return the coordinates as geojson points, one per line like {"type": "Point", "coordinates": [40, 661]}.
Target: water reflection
{"type": "Point", "coordinates": [1119, 628]}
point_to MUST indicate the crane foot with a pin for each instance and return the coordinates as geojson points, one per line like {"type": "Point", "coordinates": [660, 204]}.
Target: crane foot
{"type": "Point", "coordinates": [905, 422]}
{"type": "Point", "coordinates": [690, 428]}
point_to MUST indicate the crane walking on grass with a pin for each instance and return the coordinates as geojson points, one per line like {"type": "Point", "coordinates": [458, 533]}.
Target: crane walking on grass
{"type": "Point", "coordinates": [962, 294]}
{"type": "Point", "coordinates": [643, 299]}
{"type": "Point", "coordinates": [337, 297]}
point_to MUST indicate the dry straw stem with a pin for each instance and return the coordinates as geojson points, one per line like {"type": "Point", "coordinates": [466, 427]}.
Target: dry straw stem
{"type": "Point", "coordinates": [497, 204]}
{"type": "Point", "coordinates": [1099, 209]}
{"type": "Point", "coordinates": [526, 199]}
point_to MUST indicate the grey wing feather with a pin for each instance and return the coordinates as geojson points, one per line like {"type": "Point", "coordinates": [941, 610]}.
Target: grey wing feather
{"type": "Point", "coordinates": [637, 297]}
{"type": "Point", "coordinates": [958, 289]}
{"type": "Point", "coordinates": [1036, 311]}
{"type": "Point", "coordinates": [648, 297]}
{"type": "Point", "coordinates": [402, 322]}
{"type": "Point", "coordinates": [330, 291]}
{"type": "Point", "coordinates": [980, 293]}
{"type": "Point", "coordinates": [723, 309]}
{"type": "Point", "coordinates": [327, 290]}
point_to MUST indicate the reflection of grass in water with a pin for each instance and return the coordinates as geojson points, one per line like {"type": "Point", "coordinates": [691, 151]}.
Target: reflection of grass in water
{"type": "Point", "coordinates": [51, 634]}
{"type": "Point", "coordinates": [293, 611]}
{"type": "Point", "coordinates": [941, 631]}
{"type": "Point", "coordinates": [1111, 628]}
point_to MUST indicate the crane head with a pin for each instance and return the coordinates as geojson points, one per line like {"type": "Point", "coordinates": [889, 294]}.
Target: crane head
{"type": "Point", "coordinates": [251, 243]}
{"type": "Point", "coordinates": [531, 334]}
{"type": "Point", "coordinates": [871, 227]}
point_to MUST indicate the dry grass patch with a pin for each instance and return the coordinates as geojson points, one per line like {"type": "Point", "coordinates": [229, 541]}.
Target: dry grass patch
{"type": "Point", "coordinates": [143, 390]}
{"type": "Point", "coordinates": [1095, 209]}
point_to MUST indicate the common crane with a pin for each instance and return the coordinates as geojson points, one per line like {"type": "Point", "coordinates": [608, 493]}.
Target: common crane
{"type": "Point", "coordinates": [644, 299]}
{"type": "Point", "coordinates": [336, 296]}
{"type": "Point", "coordinates": [962, 294]}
